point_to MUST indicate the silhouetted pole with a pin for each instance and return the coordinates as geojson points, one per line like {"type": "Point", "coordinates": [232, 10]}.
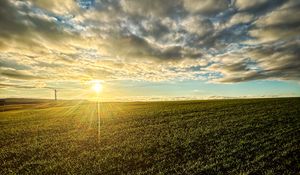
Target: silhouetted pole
{"type": "Point", "coordinates": [55, 94]}
{"type": "Point", "coordinates": [3, 105]}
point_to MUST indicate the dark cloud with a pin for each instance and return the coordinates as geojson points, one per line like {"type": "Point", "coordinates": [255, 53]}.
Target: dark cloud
{"type": "Point", "coordinates": [206, 7]}
{"type": "Point", "coordinates": [37, 85]}
{"type": "Point", "coordinates": [26, 26]}
{"type": "Point", "coordinates": [10, 20]}
{"type": "Point", "coordinates": [153, 8]}
{"type": "Point", "coordinates": [258, 7]}
{"type": "Point", "coordinates": [282, 24]}
{"type": "Point", "coordinates": [154, 29]}
{"type": "Point", "coordinates": [3, 85]}
{"type": "Point", "coordinates": [4, 63]}
{"type": "Point", "coordinates": [18, 74]}
{"type": "Point", "coordinates": [281, 62]}
{"type": "Point", "coordinates": [136, 47]}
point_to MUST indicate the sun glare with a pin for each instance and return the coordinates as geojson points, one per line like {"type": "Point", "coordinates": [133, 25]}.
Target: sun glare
{"type": "Point", "coordinates": [97, 87]}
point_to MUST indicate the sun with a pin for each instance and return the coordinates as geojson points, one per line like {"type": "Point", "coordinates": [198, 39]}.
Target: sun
{"type": "Point", "coordinates": [97, 87]}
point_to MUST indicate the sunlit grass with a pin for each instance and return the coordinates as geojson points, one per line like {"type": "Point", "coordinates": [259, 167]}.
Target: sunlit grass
{"type": "Point", "coordinates": [208, 137]}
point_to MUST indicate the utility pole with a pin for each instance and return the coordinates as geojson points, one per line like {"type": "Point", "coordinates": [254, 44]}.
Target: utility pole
{"type": "Point", "coordinates": [3, 101]}
{"type": "Point", "coordinates": [55, 94]}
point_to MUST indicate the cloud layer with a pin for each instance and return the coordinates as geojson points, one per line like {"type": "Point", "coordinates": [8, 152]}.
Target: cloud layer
{"type": "Point", "coordinates": [151, 40]}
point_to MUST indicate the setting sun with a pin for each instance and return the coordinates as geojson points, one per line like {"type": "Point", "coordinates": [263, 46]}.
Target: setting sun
{"type": "Point", "coordinates": [97, 87]}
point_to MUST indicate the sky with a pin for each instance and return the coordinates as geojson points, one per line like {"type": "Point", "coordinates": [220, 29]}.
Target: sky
{"type": "Point", "coordinates": [150, 49]}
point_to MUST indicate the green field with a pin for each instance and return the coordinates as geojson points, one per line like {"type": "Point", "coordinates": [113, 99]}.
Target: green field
{"type": "Point", "coordinates": [257, 136]}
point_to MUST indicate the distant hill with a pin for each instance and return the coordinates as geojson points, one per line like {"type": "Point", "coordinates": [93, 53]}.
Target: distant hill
{"type": "Point", "coordinates": [9, 101]}
{"type": "Point", "coordinates": [23, 100]}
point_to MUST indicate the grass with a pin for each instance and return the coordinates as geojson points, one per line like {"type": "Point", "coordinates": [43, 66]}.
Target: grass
{"type": "Point", "coordinates": [258, 136]}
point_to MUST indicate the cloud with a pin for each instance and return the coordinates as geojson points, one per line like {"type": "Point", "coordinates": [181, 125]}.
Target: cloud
{"type": "Point", "coordinates": [259, 7]}
{"type": "Point", "coordinates": [240, 18]}
{"type": "Point", "coordinates": [245, 4]}
{"type": "Point", "coordinates": [3, 85]}
{"type": "Point", "coordinates": [280, 62]}
{"type": "Point", "coordinates": [56, 6]}
{"type": "Point", "coordinates": [26, 86]}
{"type": "Point", "coordinates": [197, 25]}
{"type": "Point", "coordinates": [18, 74]}
{"type": "Point", "coordinates": [152, 8]}
{"type": "Point", "coordinates": [135, 47]}
{"type": "Point", "coordinates": [206, 7]}
{"type": "Point", "coordinates": [4, 63]}
{"type": "Point", "coordinates": [211, 40]}
{"type": "Point", "coordinates": [281, 24]}
{"type": "Point", "coordinates": [29, 28]}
